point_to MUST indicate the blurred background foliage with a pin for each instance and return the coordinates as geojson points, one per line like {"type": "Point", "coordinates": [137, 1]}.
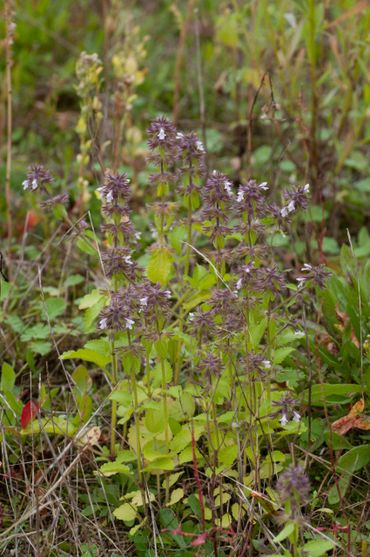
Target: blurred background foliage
{"type": "Point", "coordinates": [280, 91]}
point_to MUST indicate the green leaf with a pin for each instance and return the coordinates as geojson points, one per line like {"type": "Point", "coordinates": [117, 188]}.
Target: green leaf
{"type": "Point", "coordinates": [125, 512]}
{"type": "Point", "coordinates": [281, 354]}
{"type": "Point", "coordinates": [176, 496]}
{"type": "Point", "coordinates": [91, 299]}
{"type": "Point", "coordinates": [7, 377]}
{"type": "Point", "coordinates": [112, 468]}
{"type": "Point", "coordinates": [363, 185]}
{"type": "Point", "coordinates": [40, 347]}
{"type": "Point", "coordinates": [87, 356]}
{"type": "Point", "coordinates": [286, 532]}
{"type": "Point", "coordinates": [82, 379]}
{"type": "Point", "coordinates": [316, 548]}
{"type": "Point", "coordinates": [73, 280]}
{"type": "Point", "coordinates": [159, 266]}
{"type": "Point", "coordinates": [54, 307]}
{"type": "Point", "coordinates": [354, 459]}
{"type": "Point", "coordinates": [39, 331]}
{"type": "Point", "coordinates": [4, 289]}
{"type": "Point", "coordinates": [15, 323]}
{"type": "Point", "coordinates": [327, 393]}
{"type": "Point", "coordinates": [350, 462]}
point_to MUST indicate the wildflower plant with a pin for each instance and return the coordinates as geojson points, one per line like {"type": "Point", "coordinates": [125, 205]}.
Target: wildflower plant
{"type": "Point", "coordinates": [198, 337]}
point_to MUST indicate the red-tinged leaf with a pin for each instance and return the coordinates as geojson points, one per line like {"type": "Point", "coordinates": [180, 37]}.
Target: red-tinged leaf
{"type": "Point", "coordinates": [200, 540]}
{"type": "Point", "coordinates": [29, 413]}
{"type": "Point", "coordinates": [352, 420]}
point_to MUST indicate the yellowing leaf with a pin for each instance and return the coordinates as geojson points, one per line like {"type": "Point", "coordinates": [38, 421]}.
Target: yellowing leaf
{"type": "Point", "coordinates": [125, 512]}
{"type": "Point", "coordinates": [176, 496]}
{"type": "Point", "coordinates": [352, 420]}
{"type": "Point", "coordinates": [159, 266]}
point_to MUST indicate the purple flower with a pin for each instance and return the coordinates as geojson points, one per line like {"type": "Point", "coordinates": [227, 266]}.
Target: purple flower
{"type": "Point", "coordinates": [117, 260]}
{"type": "Point", "coordinates": [162, 134]}
{"type": "Point", "coordinates": [293, 484]}
{"type": "Point", "coordinates": [62, 199]}
{"type": "Point", "coordinates": [37, 177]}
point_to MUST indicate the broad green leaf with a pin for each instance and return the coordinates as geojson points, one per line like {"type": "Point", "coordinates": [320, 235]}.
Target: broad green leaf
{"type": "Point", "coordinates": [159, 266]}
{"type": "Point", "coordinates": [325, 393]}
{"type": "Point", "coordinates": [7, 377]}
{"type": "Point", "coordinates": [90, 299]}
{"type": "Point", "coordinates": [54, 307]}
{"type": "Point", "coordinates": [15, 323]}
{"type": "Point", "coordinates": [348, 464]}
{"type": "Point", "coordinates": [176, 496]}
{"type": "Point", "coordinates": [285, 533]}
{"type": "Point", "coordinates": [87, 356]}
{"type": "Point", "coordinates": [281, 354]}
{"type": "Point", "coordinates": [73, 280]}
{"type": "Point", "coordinates": [125, 512]}
{"type": "Point", "coordinates": [160, 464]}
{"type": "Point", "coordinates": [316, 548]}
{"type": "Point", "coordinates": [40, 347]}
{"type": "Point", "coordinates": [38, 331]}
{"type": "Point", "coordinates": [112, 468]}
{"type": "Point", "coordinates": [82, 379]}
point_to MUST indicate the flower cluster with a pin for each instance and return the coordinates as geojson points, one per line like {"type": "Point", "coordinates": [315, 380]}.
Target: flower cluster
{"type": "Point", "coordinates": [296, 199]}
{"type": "Point", "coordinates": [217, 197]}
{"type": "Point", "coordinates": [251, 199]}
{"type": "Point", "coordinates": [163, 142]}
{"type": "Point", "coordinates": [287, 409]}
{"type": "Point", "coordinates": [317, 274]}
{"type": "Point", "coordinates": [135, 305]}
{"type": "Point", "coordinates": [115, 193]}
{"type": "Point", "coordinates": [294, 485]}
{"type": "Point", "coordinates": [37, 177]}
{"type": "Point", "coordinates": [260, 279]}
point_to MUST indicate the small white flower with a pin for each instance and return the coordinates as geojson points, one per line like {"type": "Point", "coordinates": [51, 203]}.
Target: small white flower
{"type": "Point", "coordinates": [239, 284]}
{"type": "Point", "coordinates": [103, 323]}
{"type": "Point", "coordinates": [138, 235]}
{"type": "Point", "coordinates": [191, 316]}
{"type": "Point", "coordinates": [284, 420]}
{"type": "Point", "coordinates": [266, 364]}
{"type": "Point", "coordinates": [306, 267]}
{"type": "Point", "coordinates": [25, 185]}
{"type": "Point", "coordinates": [34, 184]}
{"type": "Point", "coordinates": [144, 301]}
{"type": "Point", "coordinates": [214, 172]}
{"type": "Point", "coordinates": [161, 134]}
{"type": "Point", "coordinates": [240, 196]}
{"type": "Point", "coordinates": [263, 186]}
{"type": "Point", "coordinates": [179, 135]}
{"type": "Point", "coordinates": [227, 185]}
{"type": "Point", "coordinates": [200, 146]}
{"type": "Point", "coordinates": [234, 425]}
{"type": "Point", "coordinates": [291, 206]}
{"type": "Point", "coordinates": [129, 323]}
{"type": "Point", "coordinates": [296, 417]}
{"type": "Point", "coordinates": [167, 293]}
{"type": "Point", "coordinates": [299, 334]}
{"type": "Point", "coordinates": [109, 197]}
{"type": "Point", "coordinates": [306, 188]}
{"type": "Point", "coordinates": [301, 281]}
{"type": "Point", "coordinates": [128, 260]}
{"type": "Point", "coordinates": [287, 209]}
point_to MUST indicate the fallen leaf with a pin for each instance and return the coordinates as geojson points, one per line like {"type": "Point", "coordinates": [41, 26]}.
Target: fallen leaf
{"type": "Point", "coordinates": [29, 413]}
{"type": "Point", "coordinates": [91, 437]}
{"type": "Point", "coordinates": [352, 420]}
